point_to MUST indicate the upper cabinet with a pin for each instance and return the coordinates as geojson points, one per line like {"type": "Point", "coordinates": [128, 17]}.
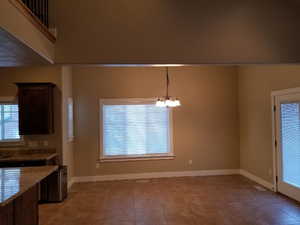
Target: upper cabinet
{"type": "Point", "coordinates": [36, 114]}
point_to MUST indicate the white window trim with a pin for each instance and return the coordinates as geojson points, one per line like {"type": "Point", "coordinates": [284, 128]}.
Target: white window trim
{"type": "Point", "coordinates": [11, 142]}
{"type": "Point", "coordinates": [120, 158]}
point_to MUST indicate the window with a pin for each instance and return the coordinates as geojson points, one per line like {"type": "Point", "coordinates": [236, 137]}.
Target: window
{"type": "Point", "coordinates": [135, 129]}
{"type": "Point", "coordinates": [9, 122]}
{"type": "Point", "coordinates": [70, 119]}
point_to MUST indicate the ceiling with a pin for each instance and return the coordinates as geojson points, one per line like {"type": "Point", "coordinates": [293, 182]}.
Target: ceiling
{"type": "Point", "coordinates": [15, 53]}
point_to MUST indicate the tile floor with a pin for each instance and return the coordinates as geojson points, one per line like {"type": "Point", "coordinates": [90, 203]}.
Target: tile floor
{"type": "Point", "coordinates": [214, 200]}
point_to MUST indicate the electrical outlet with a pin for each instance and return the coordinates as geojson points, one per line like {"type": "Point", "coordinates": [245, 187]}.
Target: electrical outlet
{"type": "Point", "coordinates": [190, 162]}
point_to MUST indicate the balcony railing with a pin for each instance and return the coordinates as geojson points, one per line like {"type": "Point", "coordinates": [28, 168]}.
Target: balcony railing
{"type": "Point", "coordinates": [37, 11]}
{"type": "Point", "coordinates": [40, 9]}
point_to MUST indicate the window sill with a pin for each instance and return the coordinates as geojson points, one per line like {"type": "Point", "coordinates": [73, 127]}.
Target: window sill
{"type": "Point", "coordinates": [140, 158]}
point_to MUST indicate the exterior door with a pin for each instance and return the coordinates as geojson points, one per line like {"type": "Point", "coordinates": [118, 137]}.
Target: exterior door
{"type": "Point", "coordinates": [287, 119]}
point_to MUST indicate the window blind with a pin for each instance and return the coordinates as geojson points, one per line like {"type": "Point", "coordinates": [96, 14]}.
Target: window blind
{"type": "Point", "coordinates": [133, 130]}
{"type": "Point", "coordinates": [9, 122]}
{"type": "Point", "coordinates": [290, 135]}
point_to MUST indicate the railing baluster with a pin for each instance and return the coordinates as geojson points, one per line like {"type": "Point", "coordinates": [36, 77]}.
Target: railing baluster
{"type": "Point", "coordinates": [34, 6]}
{"type": "Point", "coordinates": [30, 4]}
{"type": "Point", "coordinates": [40, 9]}
{"type": "Point", "coordinates": [47, 13]}
{"type": "Point", "coordinates": [44, 12]}
{"type": "Point", "coordinates": [37, 8]}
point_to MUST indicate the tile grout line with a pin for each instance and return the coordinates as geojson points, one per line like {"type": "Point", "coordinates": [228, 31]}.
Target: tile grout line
{"type": "Point", "coordinates": [164, 213]}
{"type": "Point", "coordinates": [194, 215]}
{"type": "Point", "coordinates": [134, 205]}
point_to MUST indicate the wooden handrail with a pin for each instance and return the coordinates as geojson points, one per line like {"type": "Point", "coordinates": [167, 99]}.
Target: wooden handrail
{"type": "Point", "coordinates": [33, 19]}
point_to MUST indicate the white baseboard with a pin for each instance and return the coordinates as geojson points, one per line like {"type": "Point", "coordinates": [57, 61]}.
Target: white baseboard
{"type": "Point", "coordinates": [133, 176]}
{"type": "Point", "coordinates": [256, 179]}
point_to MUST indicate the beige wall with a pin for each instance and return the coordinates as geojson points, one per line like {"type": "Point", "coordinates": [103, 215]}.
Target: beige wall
{"type": "Point", "coordinates": [8, 76]}
{"type": "Point", "coordinates": [255, 86]}
{"type": "Point", "coordinates": [174, 31]}
{"type": "Point", "coordinates": [224, 121]}
{"type": "Point", "coordinates": [67, 144]}
{"type": "Point", "coordinates": [205, 127]}
{"type": "Point", "coordinates": [14, 22]}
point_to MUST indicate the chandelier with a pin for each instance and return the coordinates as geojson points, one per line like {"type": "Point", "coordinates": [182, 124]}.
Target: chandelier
{"type": "Point", "coordinates": [167, 101]}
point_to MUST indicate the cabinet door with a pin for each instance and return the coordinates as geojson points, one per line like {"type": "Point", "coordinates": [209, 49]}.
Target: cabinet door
{"type": "Point", "coordinates": [35, 109]}
{"type": "Point", "coordinates": [6, 215]}
{"type": "Point", "coordinates": [26, 208]}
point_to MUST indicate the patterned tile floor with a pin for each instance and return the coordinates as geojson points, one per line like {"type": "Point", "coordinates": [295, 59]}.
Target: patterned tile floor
{"type": "Point", "coordinates": [212, 200]}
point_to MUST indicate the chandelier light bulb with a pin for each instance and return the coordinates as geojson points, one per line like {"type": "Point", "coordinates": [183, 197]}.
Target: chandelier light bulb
{"type": "Point", "coordinates": [157, 103]}
{"type": "Point", "coordinates": [172, 103]}
{"type": "Point", "coordinates": [169, 103]}
{"type": "Point", "coordinates": [177, 102]}
{"type": "Point", "coordinates": [160, 103]}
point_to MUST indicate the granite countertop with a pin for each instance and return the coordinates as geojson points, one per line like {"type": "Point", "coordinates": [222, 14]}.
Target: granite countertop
{"type": "Point", "coordinates": [26, 155]}
{"type": "Point", "coordinates": [15, 181]}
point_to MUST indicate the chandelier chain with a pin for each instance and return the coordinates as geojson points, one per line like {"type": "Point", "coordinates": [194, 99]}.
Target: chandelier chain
{"type": "Point", "coordinates": [168, 81]}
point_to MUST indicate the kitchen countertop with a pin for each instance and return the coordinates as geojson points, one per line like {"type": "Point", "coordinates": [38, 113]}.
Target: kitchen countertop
{"type": "Point", "coordinates": [26, 155]}
{"type": "Point", "coordinates": [15, 181]}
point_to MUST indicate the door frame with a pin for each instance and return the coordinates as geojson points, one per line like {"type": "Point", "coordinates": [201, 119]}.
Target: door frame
{"type": "Point", "coordinates": [275, 152]}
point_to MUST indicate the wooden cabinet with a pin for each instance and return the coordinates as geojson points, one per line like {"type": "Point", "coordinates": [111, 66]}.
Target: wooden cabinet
{"type": "Point", "coordinates": [26, 210]}
{"type": "Point", "coordinates": [36, 114]}
{"type": "Point", "coordinates": [54, 188]}
{"type": "Point", "coordinates": [6, 214]}
{"type": "Point", "coordinates": [23, 210]}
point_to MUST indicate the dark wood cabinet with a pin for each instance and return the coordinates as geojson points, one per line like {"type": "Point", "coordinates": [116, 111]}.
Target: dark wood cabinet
{"type": "Point", "coordinates": [6, 215]}
{"type": "Point", "coordinates": [23, 210]}
{"type": "Point", "coordinates": [36, 113]}
{"type": "Point", "coordinates": [54, 188]}
{"type": "Point", "coordinates": [26, 210]}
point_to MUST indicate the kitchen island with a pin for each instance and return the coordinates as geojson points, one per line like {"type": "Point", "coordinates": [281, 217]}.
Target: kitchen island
{"type": "Point", "coordinates": [19, 194]}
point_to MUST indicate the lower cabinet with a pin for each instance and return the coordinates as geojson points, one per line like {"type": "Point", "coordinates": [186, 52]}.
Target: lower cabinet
{"type": "Point", "coordinates": [54, 188]}
{"type": "Point", "coordinates": [6, 214]}
{"type": "Point", "coordinates": [26, 210]}
{"type": "Point", "coordinates": [23, 210]}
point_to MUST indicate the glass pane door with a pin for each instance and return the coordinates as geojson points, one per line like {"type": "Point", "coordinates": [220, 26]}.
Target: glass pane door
{"type": "Point", "coordinates": [290, 143]}
{"type": "Point", "coordinates": [287, 123]}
